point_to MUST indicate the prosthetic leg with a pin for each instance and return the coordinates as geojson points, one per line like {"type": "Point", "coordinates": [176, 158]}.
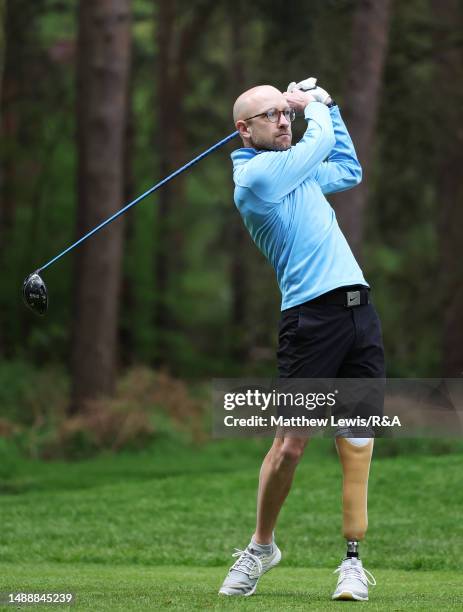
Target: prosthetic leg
{"type": "Point", "coordinates": [355, 455]}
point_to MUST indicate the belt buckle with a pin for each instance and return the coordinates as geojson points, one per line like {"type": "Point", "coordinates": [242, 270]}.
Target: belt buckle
{"type": "Point", "coordinates": [353, 298]}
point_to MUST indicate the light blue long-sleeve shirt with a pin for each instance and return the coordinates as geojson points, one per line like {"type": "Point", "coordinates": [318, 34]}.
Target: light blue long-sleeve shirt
{"type": "Point", "coordinates": [280, 197]}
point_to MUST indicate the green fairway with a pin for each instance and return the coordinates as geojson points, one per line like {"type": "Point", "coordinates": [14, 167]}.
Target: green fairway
{"type": "Point", "coordinates": [192, 588]}
{"type": "Point", "coordinates": [157, 529]}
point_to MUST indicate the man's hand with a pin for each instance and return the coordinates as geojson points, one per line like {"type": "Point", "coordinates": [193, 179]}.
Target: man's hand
{"type": "Point", "coordinates": [319, 94]}
{"type": "Point", "coordinates": [298, 99]}
{"type": "Point", "coordinates": [310, 83]}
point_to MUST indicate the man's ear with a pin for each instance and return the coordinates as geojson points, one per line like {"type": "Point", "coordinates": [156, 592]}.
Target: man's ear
{"type": "Point", "coordinates": [242, 127]}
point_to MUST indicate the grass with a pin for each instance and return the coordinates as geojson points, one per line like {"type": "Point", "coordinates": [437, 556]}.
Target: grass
{"type": "Point", "coordinates": [195, 588]}
{"type": "Point", "coordinates": [155, 530]}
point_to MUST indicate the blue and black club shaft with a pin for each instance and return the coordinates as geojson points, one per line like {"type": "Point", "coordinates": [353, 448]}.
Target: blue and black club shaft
{"type": "Point", "coordinates": [35, 293]}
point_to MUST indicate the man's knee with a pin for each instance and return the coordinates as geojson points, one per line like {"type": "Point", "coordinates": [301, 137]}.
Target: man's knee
{"type": "Point", "coordinates": [289, 452]}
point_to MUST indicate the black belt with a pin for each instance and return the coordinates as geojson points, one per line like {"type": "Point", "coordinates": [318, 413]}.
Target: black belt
{"type": "Point", "coordinates": [344, 296]}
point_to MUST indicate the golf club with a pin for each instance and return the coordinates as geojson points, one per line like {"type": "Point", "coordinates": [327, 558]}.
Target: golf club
{"type": "Point", "coordinates": [35, 293]}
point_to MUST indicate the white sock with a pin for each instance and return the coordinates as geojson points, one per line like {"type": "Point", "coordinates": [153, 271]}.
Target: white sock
{"type": "Point", "coordinates": [263, 548]}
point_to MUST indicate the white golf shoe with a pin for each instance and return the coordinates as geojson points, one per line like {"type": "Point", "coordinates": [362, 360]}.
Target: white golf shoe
{"type": "Point", "coordinates": [353, 580]}
{"type": "Point", "coordinates": [244, 574]}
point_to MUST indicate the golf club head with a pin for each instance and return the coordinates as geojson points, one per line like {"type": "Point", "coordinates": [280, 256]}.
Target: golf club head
{"type": "Point", "coordinates": [35, 294]}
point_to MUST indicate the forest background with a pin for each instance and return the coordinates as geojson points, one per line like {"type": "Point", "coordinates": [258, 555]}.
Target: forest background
{"type": "Point", "coordinates": [100, 100]}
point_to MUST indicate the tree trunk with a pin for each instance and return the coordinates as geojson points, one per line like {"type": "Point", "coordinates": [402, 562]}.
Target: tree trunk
{"type": "Point", "coordinates": [2, 64]}
{"type": "Point", "coordinates": [360, 110]}
{"type": "Point", "coordinates": [168, 107]}
{"type": "Point", "coordinates": [13, 44]}
{"type": "Point", "coordinates": [238, 268]}
{"type": "Point", "coordinates": [9, 114]}
{"type": "Point", "coordinates": [126, 336]}
{"type": "Point", "coordinates": [2, 40]}
{"type": "Point", "coordinates": [102, 81]}
{"type": "Point", "coordinates": [449, 84]}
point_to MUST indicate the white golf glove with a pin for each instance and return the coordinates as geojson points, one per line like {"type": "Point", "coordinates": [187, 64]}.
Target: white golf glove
{"type": "Point", "coordinates": [310, 84]}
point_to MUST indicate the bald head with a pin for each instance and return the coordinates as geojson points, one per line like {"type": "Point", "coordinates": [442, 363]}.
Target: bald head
{"type": "Point", "coordinates": [261, 132]}
{"type": "Point", "coordinates": [255, 100]}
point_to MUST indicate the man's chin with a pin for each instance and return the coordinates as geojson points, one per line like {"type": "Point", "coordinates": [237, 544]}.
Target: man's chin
{"type": "Point", "coordinates": [283, 142]}
{"type": "Point", "coordinates": [280, 144]}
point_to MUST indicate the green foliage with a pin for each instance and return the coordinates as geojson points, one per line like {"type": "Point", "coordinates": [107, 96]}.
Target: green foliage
{"type": "Point", "coordinates": [147, 406]}
{"type": "Point", "coordinates": [402, 250]}
{"type": "Point", "coordinates": [9, 461]}
{"type": "Point", "coordinates": [279, 44]}
{"type": "Point", "coordinates": [29, 396]}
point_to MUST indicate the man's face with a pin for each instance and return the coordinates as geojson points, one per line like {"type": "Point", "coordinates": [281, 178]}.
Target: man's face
{"type": "Point", "coordinates": [264, 134]}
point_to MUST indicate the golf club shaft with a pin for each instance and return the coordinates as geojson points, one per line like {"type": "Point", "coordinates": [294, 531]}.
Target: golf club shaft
{"type": "Point", "coordinates": [141, 197]}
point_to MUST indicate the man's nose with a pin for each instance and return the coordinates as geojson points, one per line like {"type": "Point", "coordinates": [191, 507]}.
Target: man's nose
{"type": "Point", "coordinates": [282, 121]}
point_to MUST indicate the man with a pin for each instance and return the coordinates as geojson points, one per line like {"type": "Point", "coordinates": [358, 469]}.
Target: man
{"type": "Point", "coordinates": [328, 326]}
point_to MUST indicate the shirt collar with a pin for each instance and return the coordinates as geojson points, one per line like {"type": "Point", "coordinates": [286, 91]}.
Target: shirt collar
{"type": "Point", "coordinates": [241, 156]}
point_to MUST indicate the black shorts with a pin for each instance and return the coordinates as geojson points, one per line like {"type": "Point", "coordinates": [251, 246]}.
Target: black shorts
{"type": "Point", "coordinates": [324, 340]}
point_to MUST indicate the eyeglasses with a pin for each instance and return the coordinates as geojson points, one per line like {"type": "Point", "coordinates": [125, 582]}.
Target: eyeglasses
{"type": "Point", "coordinates": [273, 115]}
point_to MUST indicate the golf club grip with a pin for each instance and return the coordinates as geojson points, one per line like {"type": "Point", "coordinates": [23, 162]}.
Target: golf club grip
{"type": "Point", "coordinates": [138, 199]}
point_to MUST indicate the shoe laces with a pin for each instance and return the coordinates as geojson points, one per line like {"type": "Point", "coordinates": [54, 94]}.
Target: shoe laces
{"type": "Point", "coordinates": [247, 562]}
{"type": "Point", "coordinates": [355, 571]}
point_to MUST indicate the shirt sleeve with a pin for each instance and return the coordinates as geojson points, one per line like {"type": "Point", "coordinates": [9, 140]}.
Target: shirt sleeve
{"type": "Point", "coordinates": [273, 174]}
{"type": "Point", "coordinates": [341, 170]}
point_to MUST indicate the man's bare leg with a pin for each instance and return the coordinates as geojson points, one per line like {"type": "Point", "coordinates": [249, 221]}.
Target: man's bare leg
{"type": "Point", "coordinates": [276, 476]}
{"type": "Point", "coordinates": [262, 554]}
